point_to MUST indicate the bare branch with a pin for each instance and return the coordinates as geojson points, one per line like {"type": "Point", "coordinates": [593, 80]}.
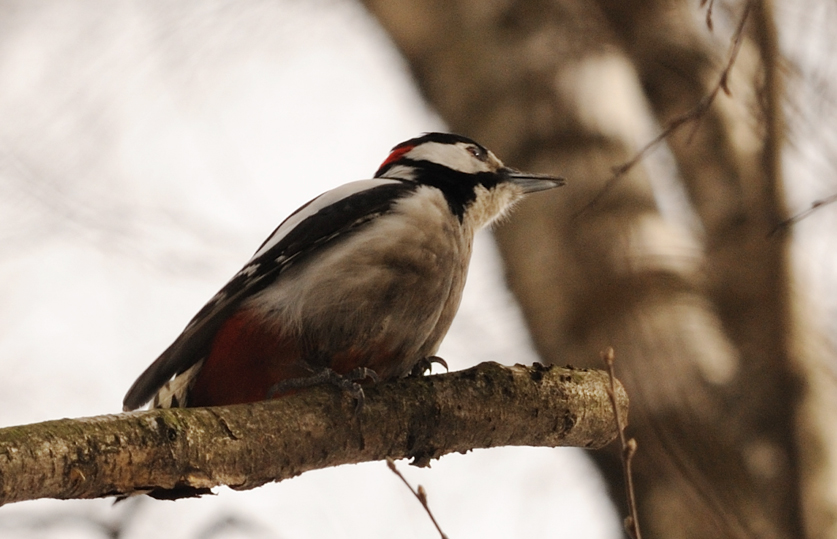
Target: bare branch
{"type": "Point", "coordinates": [815, 205]}
{"type": "Point", "coordinates": [420, 494]}
{"type": "Point", "coordinates": [246, 446]}
{"type": "Point", "coordinates": [628, 450]}
{"type": "Point", "coordinates": [693, 115]}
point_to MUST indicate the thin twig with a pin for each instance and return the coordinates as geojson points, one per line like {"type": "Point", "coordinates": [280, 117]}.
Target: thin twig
{"type": "Point", "coordinates": [421, 494]}
{"type": "Point", "coordinates": [628, 451]}
{"type": "Point", "coordinates": [790, 221]}
{"type": "Point", "coordinates": [692, 115]}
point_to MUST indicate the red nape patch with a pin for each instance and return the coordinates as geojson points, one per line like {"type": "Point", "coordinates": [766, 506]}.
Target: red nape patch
{"type": "Point", "coordinates": [247, 358]}
{"type": "Point", "coordinates": [395, 155]}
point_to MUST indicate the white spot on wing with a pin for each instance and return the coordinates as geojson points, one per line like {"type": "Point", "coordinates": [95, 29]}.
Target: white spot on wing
{"type": "Point", "coordinates": [322, 201]}
{"type": "Point", "coordinates": [173, 393]}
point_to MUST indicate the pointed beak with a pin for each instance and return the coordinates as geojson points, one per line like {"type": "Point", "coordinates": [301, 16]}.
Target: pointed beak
{"type": "Point", "coordinates": [532, 183]}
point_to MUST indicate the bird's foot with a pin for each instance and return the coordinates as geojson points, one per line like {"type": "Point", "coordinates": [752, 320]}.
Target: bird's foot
{"type": "Point", "coordinates": [347, 382]}
{"type": "Point", "coordinates": [425, 365]}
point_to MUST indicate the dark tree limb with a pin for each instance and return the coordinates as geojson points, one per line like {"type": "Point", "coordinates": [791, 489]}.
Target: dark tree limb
{"type": "Point", "coordinates": [701, 320]}
{"type": "Point", "coordinates": [246, 446]}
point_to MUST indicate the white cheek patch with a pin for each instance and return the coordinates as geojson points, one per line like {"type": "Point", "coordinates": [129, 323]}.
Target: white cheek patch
{"type": "Point", "coordinates": [322, 201]}
{"type": "Point", "coordinates": [455, 156]}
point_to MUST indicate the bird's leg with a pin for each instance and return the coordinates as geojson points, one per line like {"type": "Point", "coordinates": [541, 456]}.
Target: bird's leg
{"type": "Point", "coordinates": [347, 382]}
{"type": "Point", "coordinates": [425, 365]}
{"type": "Point", "coordinates": [359, 374]}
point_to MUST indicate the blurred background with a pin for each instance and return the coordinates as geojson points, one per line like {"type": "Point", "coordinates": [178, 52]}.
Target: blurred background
{"type": "Point", "coordinates": [148, 147]}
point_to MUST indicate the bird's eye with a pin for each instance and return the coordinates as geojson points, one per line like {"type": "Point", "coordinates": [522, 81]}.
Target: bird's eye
{"type": "Point", "coordinates": [478, 152]}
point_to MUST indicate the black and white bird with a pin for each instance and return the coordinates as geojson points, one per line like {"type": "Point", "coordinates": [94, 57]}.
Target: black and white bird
{"type": "Point", "coordinates": [367, 276]}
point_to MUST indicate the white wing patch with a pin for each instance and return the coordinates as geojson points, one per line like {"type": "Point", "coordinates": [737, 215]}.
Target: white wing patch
{"type": "Point", "coordinates": [326, 199]}
{"type": "Point", "coordinates": [174, 392]}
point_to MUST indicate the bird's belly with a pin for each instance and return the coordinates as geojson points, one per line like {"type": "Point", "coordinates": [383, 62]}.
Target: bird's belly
{"type": "Point", "coordinates": [374, 302]}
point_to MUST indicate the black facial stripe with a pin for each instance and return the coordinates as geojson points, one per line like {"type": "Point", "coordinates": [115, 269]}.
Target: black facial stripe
{"type": "Point", "coordinates": [457, 187]}
{"type": "Point", "coordinates": [441, 138]}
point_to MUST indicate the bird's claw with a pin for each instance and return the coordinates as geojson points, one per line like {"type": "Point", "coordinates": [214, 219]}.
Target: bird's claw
{"type": "Point", "coordinates": [425, 365]}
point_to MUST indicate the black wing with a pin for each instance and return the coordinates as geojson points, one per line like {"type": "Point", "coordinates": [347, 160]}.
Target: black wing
{"type": "Point", "coordinates": [330, 217]}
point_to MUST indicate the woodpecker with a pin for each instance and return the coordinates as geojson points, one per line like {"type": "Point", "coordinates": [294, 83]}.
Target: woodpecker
{"type": "Point", "coordinates": [367, 276]}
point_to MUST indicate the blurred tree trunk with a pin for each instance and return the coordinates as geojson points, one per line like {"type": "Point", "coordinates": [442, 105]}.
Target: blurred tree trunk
{"type": "Point", "coordinates": [698, 314]}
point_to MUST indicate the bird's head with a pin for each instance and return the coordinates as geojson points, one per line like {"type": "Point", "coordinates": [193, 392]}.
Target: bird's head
{"type": "Point", "coordinates": [477, 186]}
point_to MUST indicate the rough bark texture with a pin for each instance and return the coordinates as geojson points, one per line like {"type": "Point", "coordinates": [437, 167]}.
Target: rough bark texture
{"type": "Point", "coordinates": [246, 446]}
{"type": "Point", "coordinates": [697, 312]}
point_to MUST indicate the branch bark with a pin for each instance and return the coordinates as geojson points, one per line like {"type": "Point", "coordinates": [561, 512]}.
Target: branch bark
{"type": "Point", "coordinates": [246, 446]}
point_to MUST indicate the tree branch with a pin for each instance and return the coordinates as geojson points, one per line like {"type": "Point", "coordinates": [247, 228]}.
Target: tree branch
{"type": "Point", "coordinates": [246, 446]}
{"type": "Point", "coordinates": [695, 114]}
